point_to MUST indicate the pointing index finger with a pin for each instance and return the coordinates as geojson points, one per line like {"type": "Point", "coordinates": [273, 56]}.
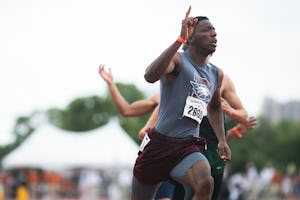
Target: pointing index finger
{"type": "Point", "coordinates": [187, 14]}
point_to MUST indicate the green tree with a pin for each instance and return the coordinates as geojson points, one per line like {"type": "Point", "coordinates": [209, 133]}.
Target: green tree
{"type": "Point", "coordinates": [268, 143]}
{"type": "Point", "coordinates": [82, 114]}
{"type": "Point", "coordinates": [23, 128]}
{"type": "Point", "coordinates": [87, 113]}
{"type": "Point", "coordinates": [288, 140]}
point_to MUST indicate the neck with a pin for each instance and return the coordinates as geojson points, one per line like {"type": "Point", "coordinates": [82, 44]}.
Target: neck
{"type": "Point", "coordinates": [199, 57]}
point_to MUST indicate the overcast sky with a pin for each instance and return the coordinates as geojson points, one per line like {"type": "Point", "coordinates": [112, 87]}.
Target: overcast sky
{"type": "Point", "coordinates": [50, 49]}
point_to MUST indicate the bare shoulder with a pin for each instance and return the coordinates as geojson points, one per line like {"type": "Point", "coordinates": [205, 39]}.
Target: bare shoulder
{"type": "Point", "coordinates": [227, 83]}
{"type": "Point", "coordinates": [174, 68]}
{"type": "Point", "coordinates": [220, 77]}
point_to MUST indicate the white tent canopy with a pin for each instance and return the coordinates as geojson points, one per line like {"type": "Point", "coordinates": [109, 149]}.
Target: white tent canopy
{"type": "Point", "coordinates": [53, 148]}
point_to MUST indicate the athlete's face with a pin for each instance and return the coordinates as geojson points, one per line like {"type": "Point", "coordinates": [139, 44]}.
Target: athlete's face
{"type": "Point", "coordinates": [204, 37]}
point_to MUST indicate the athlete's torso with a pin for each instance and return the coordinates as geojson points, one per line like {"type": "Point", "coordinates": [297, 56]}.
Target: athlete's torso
{"type": "Point", "coordinates": [193, 80]}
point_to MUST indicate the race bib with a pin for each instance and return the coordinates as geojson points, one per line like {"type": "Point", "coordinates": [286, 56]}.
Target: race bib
{"type": "Point", "coordinates": [145, 141]}
{"type": "Point", "coordinates": [194, 108]}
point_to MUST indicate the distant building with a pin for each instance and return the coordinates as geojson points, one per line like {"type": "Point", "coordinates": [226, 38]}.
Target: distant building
{"type": "Point", "coordinates": [281, 111]}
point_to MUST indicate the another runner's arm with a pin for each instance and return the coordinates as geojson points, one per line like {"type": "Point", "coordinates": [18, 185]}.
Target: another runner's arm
{"type": "Point", "coordinates": [231, 102]}
{"type": "Point", "coordinates": [150, 123]}
{"type": "Point", "coordinates": [137, 108]}
{"type": "Point", "coordinates": [240, 129]}
{"type": "Point", "coordinates": [215, 116]}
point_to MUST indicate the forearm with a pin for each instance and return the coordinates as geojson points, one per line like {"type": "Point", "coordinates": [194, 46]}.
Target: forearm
{"type": "Point", "coordinates": [153, 118]}
{"type": "Point", "coordinates": [150, 124]}
{"type": "Point", "coordinates": [215, 116]}
{"type": "Point", "coordinates": [120, 102]}
{"type": "Point", "coordinates": [160, 65]}
{"type": "Point", "coordinates": [233, 133]}
{"type": "Point", "coordinates": [238, 115]}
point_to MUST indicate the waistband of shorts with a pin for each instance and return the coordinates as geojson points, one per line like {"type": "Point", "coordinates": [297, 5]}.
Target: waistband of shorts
{"type": "Point", "coordinates": [154, 134]}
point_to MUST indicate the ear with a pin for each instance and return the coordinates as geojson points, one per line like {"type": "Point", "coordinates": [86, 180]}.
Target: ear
{"type": "Point", "coordinates": [190, 39]}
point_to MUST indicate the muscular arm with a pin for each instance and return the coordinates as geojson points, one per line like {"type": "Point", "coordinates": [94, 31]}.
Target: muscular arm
{"type": "Point", "coordinates": [233, 107]}
{"type": "Point", "coordinates": [215, 116]}
{"type": "Point", "coordinates": [169, 61]}
{"type": "Point", "coordinates": [231, 103]}
{"type": "Point", "coordinates": [137, 108]}
{"type": "Point", "coordinates": [162, 66]}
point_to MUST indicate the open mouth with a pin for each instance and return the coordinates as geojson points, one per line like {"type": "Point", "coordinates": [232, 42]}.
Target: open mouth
{"type": "Point", "coordinates": [214, 43]}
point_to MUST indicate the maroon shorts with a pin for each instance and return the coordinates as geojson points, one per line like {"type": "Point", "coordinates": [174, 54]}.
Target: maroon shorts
{"type": "Point", "coordinates": [161, 155]}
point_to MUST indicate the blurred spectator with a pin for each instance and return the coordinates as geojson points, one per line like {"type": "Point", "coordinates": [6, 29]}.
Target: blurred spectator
{"type": "Point", "coordinates": [287, 182]}
{"type": "Point", "coordinates": [53, 180]}
{"type": "Point", "coordinates": [297, 185]}
{"type": "Point", "coordinates": [2, 195]}
{"type": "Point", "coordinates": [106, 182]}
{"type": "Point", "coordinates": [89, 184]}
{"type": "Point", "coordinates": [22, 192]}
{"type": "Point", "coordinates": [33, 181]}
{"type": "Point", "coordinates": [236, 183]}
{"type": "Point", "coordinates": [124, 179]}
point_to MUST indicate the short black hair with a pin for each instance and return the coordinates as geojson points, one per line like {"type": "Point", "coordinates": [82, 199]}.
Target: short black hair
{"type": "Point", "coordinates": [200, 18]}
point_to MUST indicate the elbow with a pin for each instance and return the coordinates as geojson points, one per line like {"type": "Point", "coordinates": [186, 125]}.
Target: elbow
{"type": "Point", "coordinates": [124, 113]}
{"type": "Point", "coordinates": [149, 78]}
{"type": "Point", "coordinates": [129, 113]}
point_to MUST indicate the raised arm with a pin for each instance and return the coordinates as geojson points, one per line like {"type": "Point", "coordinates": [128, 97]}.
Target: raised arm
{"type": "Point", "coordinates": [168, 63]}
{"type": "Point", "coordinates": [231, 103]}
{"type": "Point", "coordinates": [137, 108]}
{"type": "Point", "coordinates": [215, 116]}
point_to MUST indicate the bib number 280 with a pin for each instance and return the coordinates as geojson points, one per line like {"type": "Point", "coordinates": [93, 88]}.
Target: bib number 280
{"type": "Point", "coordinates": [194, 108]}
{"type": "Point", "coordinates": [195, 112]}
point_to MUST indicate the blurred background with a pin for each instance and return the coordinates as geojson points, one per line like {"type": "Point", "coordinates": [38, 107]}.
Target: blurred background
{"type": "Point", "coordinates": [62, 138]}
{"type": "Point", "coordinates": [86, 151]}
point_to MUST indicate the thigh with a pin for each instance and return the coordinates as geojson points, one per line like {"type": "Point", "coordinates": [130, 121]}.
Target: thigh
{"type": "Point", "coordinates": [141, 191]}
{"type": "Point", "coordinates": [198, 173]}
{"type": "Point", "coordinates": [185, 166]}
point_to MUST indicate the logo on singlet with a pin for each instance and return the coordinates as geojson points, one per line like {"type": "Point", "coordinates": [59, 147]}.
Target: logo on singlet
{"type": "Point", "coordinates": [201, 88]}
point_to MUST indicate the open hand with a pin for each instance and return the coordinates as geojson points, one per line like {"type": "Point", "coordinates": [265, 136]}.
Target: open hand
{"type": "Point", "coordinates": [106, 75]}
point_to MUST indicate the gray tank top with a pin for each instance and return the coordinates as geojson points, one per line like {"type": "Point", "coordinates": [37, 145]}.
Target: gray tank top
{"type": "Point", "coordinates": [193, 80]}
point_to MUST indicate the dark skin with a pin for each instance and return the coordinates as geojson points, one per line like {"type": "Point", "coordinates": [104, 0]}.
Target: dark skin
{"type": "Point", "coordinates": [201, 37]}
{"type": "Point", "coordinates": [202, 41]}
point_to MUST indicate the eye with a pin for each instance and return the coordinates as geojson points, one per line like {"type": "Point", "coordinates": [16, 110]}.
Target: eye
{"type": "Point", "coordinates": [210, 29]}
{"type": "Point", "coordinates": [206, 29]}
